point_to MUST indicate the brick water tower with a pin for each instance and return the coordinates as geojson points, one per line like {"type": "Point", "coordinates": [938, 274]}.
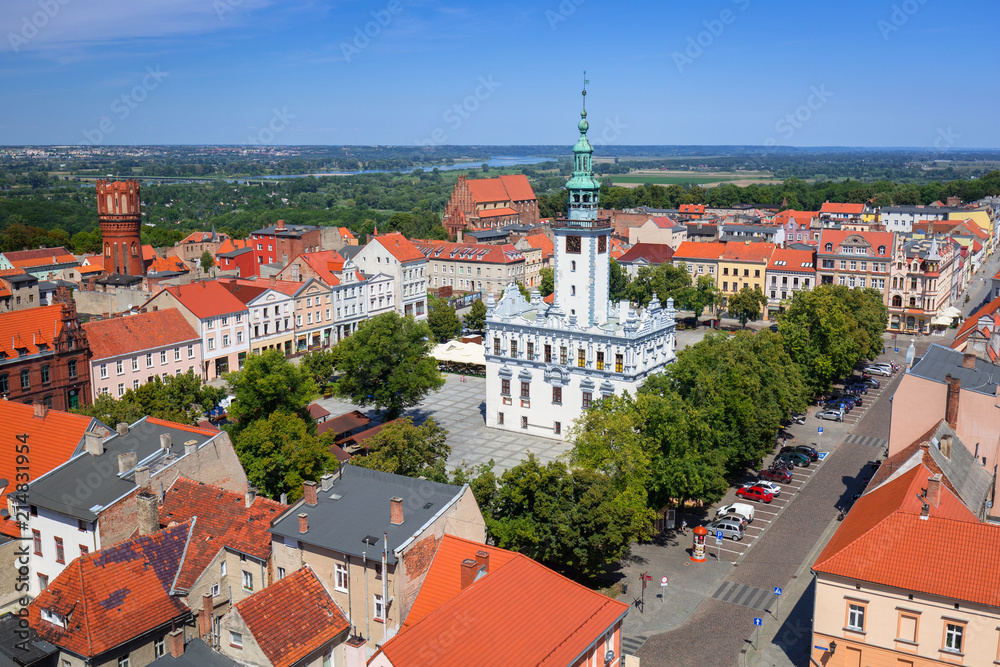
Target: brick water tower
{"type": "Point", "coordinates": [119, 212]}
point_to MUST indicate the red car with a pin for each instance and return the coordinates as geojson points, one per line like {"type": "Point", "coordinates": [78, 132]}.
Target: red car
{"type": "Point", "coordinates": [776, 475]}
{"type": "Point", "coordinates": [755, 493]}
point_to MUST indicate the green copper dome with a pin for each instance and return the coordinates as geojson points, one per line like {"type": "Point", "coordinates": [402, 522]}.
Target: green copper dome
{"type": "Point", "coordinates": [584, 189]}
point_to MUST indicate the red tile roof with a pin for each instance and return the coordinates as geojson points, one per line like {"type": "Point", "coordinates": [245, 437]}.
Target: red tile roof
{"type": "Point", "coordinates": [114, 595]}
{"type": "Point", "coordinates": [40, 256]}
{"type": "Point", "coordinates": [844, 209]}
{"type": "Point", "coordinates": [325, 263]}
{"type": "Point", "coordinates": [45, 261]}
{"type": "Point", "coordinates": [197, 237]}
{"type": "Point", "coordinates": [90, 268]}
{"type": "Point", "coordinates": [542, 242]}
{"type": "Point", "coordinates": [505, 188]}
{"type": "Point", "coordinates": [286, 287]}
{"type": "Point", "coordinates": [519, 613]}
{"type": "Point", "coordinates": [224, 520]}
{"type": "Point", "coordinates": [30, 328]}
{"type": "Point", "coordinates": [991, 310]}
{"type": "Point", "coordinates": [292, 618]}
{"type": "Point", "coordinates": [12, 272]}
{"type": "Point", "coordinates": [692, 208]}
{"type": "Point", "coordinates": [148, 252]}
{"type": "Point", "coordinates": [518, 188]}
{"type": "Point", "coordinates": [207, 299]}
{"type": "Point", "coordinates": [654, 253]}
{"type": "Point", "coordinates": [346, 233]}
{"type": "Point", "coordinates": [496, 212]}
{"type": "Point", "coordinates": [789, 259]}
{"type": "Point", "coordinates": [664, 222]}
{"type": "Point", "coordinates": [135, 333]}
{"type": "Point", "coordinates": [696, 250]}
{"type": "Point", "coordinates": [400, 247]}
{"type": "Point", "coordinates": [747, 252]}
{"type": "Point", "coordinates": [169, 264]}
{"type": "Point", "coordinates": [473, 252]}
{"type": "Point", "coordinates": [876, 239]}
{"type": "Point", "coordinates": [884, 541]}
{"type": "Point", "coordinates": [801, 217]}
{"type": "Point", "coordinates": [52, 440]}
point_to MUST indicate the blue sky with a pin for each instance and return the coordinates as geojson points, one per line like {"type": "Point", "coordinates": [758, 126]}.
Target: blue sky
{"type": "Point", "coordinates": [919, 73]}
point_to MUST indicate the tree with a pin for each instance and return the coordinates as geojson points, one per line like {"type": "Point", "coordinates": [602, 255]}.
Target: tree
{"type": "Point", "coordinates": [548, 284]}
{"type": "Point", "coordinates": [442, 320]}
{"type": "Point", "coordinates": [561, 517]}
{"type": "Point", "coordinates": [178, 398]}
{"type": "Point", "coordinates": [665, 281]}
{"type": "Point", "coordinates": [207, 261]}
{"type": "Point", "coordinates": [270, 383]}
{"type": "Point", "coordinates": [405, 449]}
{"type": "Point", "coordinates": [704, 294]}
{"type": "Point", "coordinates": [618, 282]}
{"type": "Point", "coordinates": [280, 452]}
{"type": "Point", "coordinates": [320, 365]}
{"type": "Point", "coordinates": [385, 363]}
{"type": "Point", "coordinates": [747, 305]}
{"type": "Point", "coordinates": [475, 319]}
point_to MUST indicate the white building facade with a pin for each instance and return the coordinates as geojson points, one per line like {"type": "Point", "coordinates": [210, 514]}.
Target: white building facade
{"type": "Point", "coordinates": [546, 364]}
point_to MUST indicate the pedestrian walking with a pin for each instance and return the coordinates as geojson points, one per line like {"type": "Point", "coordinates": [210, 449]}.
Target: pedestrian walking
{"type": "Point", "coordinates": [684, 526]}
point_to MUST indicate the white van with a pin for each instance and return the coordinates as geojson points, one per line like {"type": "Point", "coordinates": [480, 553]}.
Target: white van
{"type": "Point", "coordinates": [740, 509]}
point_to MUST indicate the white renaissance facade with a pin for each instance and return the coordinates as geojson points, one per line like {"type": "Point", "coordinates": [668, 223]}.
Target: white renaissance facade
{"type": "Point", "coordinates": [545, 364]}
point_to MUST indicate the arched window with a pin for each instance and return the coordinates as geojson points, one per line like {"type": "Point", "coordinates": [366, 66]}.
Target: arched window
{"type": "Point", "coordinates": [25, 379]}
{"type": "Point", "coordinates": [107, 249]}
{"type": "Point", "coordinates": [573, 265]}
{"type": "Point", "coordinates": [586, 198]}
{"type": "Point", "coordinates": [881, 250]}
{"type": "Point", "coordinates": [576, 198]}
{"type": "Point", "coordinates": [135, 250]}
{"type": "Point", "coordinates": [913, 302]}
{"type": "Point", "coordinates": [572, 290]}
{"type": "Point", "coordinates": [829, 247]}
{"type": "Point", "coordinates": [71, 368]}
{"type": "Point", "coordinates": [897, 301]}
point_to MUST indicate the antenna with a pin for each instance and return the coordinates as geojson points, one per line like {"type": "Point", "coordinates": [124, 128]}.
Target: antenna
{"type": "Point", "coordinates": [585, 82]}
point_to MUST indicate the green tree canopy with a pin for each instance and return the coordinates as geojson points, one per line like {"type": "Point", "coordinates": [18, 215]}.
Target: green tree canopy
{"type": "Point", "coordinates": [178, 398]}
{"type": "Point", "coordinates": [207, 261]}
{"type": "Point", "coordinates": [666, 281]}
{"type": "Point", "coordinates": [405, 449]}
{"type": "Point", "coordinates": [747, 305]}
{"type": "Point", "coordinates": [618, 282]}
{"type": "Point", "coordinates": [385, 363]}
{"type": "Point", "coordinates": [475, 319]}
{"type": "Point", "coordinates": [703, 294]}
{"type": "Point", "coordinates": [270, 383]}
{"type": "Point", "coordinates": [279, 452]}
{"type": "Point", "coordinates": [319, 364]}
{"type": "Point", "coordinates": [442, 320]}
{"type": "Point", "coordinates": [548, 284]}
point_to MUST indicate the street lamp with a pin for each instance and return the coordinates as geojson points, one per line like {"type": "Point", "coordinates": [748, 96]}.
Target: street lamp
{"type": "Point", "coordinates": [833, 647]}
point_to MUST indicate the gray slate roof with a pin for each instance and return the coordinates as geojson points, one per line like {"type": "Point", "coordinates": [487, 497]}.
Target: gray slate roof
{"type": "Point", "coordinates": [940, 361]}
{"type": "Point", "coordinates": [196, 654]}
{"type": "Point", "coordinates": [86, 484]}
{"type": "Point", "coordinates": [356, 506]}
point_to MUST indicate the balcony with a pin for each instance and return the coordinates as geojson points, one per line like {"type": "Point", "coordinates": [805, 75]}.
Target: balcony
{"type": "Point", "coordinates": [600, 223]}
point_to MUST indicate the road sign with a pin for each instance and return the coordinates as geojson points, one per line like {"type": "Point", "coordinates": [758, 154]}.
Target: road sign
{"type": "Point", "coordinates": [758, 621]}
{"type": "Point", "coordinates": [822, 455]}
{"type": "Point", "coordinates": [663, 581]}
{"type": "Point", "coordinates": [820, 430]}
{"type": "Point", "coordinates": [777, 591]}
{"type": "Point", "coordinates": [718, 534]}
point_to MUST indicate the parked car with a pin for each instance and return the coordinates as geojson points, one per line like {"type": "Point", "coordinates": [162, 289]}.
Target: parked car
{"type": "Point", "coordinates": [883, 364]}
{"type": "Point", "coordinates": [853, 398]}
{"type": "Point", "coordinates": [832, 415]}
{"type": "Point", "coordinates": [855, 384]}
{"type": "Point", "coordinates": [775, 475]}
{"type": "Point", "coordinates": [798, 417]}
{"type": "Point", "coordinates": [771, 487]}
{"type": "Point", "coordinates": [796, 458]}
{"type": "Point", "coordinates": [871, 382]}
{"type": "Point", "coordinates": [877, 370]}
{"type": "Point", "coordinates": [805, 450]}
{"type": "Point", "coordinates": [755, 493]}
{"type": "Point", "coordinates": [838, 403]}
{"type": "Point", "coordinates": [729, 526]}
{"type": "Point", "coordinates": [742, 510]}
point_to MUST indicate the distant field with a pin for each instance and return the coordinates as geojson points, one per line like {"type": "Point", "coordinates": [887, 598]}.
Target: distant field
{"type": "Point", "coordinates": [687, 178]}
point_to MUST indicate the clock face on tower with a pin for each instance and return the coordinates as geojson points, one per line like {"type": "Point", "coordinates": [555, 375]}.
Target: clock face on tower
{"type": "Point", "coordinates": [573, 244]}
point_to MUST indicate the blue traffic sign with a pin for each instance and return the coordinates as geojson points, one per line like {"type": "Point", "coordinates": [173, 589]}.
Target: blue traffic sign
{"type": "Point", "coordinates": [758, 621]}
{"type": "Point", "coordinates": [718, 534]}
{"type": "Point", "coordinates": [820, 429]}
{"type": "Point", "coordinates": [777, 591]}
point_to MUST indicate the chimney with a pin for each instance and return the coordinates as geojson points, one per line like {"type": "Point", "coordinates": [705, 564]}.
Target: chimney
{"type": "Point", "coordinates": [126, 461]}
{"type": "Point", "coordinates": [483, 561]}
{"type": "Point", "coordinates": [205, 617]}
{"type": "Point", "coordinates": [177, 642]}
{"type": "Point", "coordinates": [122, 428]}
{"type": "Point", "coordinates": [148, 514]}
{"type": "Point", "coordinates": [280, 226]}
{"type": "Point", "coordinates": [272, 281]}
{"type": "Point", "coordinates": [469, 569]}
{"type": "Point", "coordinates": [165, 441]}
{"type": "Point", "coordinates": [969, 360]}
{"type": "Point", "coordinates": [93, 443]}
{"type": "Point", "coordinates": [303, 523]}
{"type": "Point", "coordinates": [934, 490]}
{"type": "Point", "coordinates": [925, 511]}
{"type": "Point", "coordinates": [190, 447]}
{"type": "Point", "coordinates": [326, 482]}
{"type": "Point", "coordinates": [396, 510]}
{"type": "Point", "coordinates": [40, 409]}
{"type": "Point", "coordinates": [283, 499]}
{"type": "Point", "coordinates": [951, 404]}
{"type": "Point", "coordinates": [309, 493]}
{"type": "Point", "coordinates": [356, 651]}
{"type": "Point", "coordinates": [250, 495]}
{"type": "Point", "coordinates": [141, 476]}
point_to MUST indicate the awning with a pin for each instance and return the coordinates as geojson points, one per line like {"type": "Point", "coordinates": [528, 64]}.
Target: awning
{"type": "Point", "coordinates": [460, 353]}
{"type": "Point", "coordinates": [951, 312]}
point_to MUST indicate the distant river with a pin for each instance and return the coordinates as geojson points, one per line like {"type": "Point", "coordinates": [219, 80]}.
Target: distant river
{"type": "Point", "coordinates": [496, 161]}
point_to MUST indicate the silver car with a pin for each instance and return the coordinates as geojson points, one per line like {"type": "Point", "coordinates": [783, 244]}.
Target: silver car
{"type": "Point", "coordinates": [832, 415]}
{"type": "Point", "coordinates": [770, 487]}
{"type": "Point", "coordinates": [730, 527]}
{"type": "Point", "coordinates": [878, 370]}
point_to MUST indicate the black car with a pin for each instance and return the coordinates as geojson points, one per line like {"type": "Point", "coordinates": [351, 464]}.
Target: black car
{"type": "Point", "coordinates": [802, 449]}
{"type": "Point", "coordinates": [856, 389]}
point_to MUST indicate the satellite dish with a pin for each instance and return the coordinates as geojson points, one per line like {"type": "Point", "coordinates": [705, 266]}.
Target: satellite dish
{"type": "Point", "coordinates": [609, 657]}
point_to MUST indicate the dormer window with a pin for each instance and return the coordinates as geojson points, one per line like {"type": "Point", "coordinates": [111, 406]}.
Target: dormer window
{"type": "Point", "coordinates": [829, 247]}
{"type": "Point", "coordinates": [53, 618]}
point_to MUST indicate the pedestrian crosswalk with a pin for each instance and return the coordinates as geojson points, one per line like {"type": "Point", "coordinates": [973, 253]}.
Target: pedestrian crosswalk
{"type": "Point", "coordinates": [866, 440]}
{"type": "Point", "coordinates": [744, 595]}
{"type": "Point", "coordinates": [632, 644]}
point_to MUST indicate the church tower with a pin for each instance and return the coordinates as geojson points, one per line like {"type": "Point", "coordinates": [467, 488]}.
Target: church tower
{"type": "Point", "coordinates": [582, 262]}
{"type": "Point", "coordinates": [119, 212]}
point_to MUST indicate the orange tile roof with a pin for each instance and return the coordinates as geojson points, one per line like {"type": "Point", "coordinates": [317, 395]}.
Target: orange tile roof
{"type": "Point", "coordinates": [224, 520]}
{"type": "Point", "coordinates": [288, 287]}
{"type": "Point", "coordinates": [876, 239]}
{"type": "Point", "coordinates": [972, 322]}
{"type": "Point", "coordinates": [229, 245]}
{"type": "Point", "coordinates": [692, 208]}
{"type": "Point", "coordinates": [197, 237]}
{"type": "Point", "coordinates": [847, 209]}
{"type": "Point", "coordinates": [30, 328]}
{"type": "Point", "coordinates": [168, 264]}
{"type": "Point", "coordinates": [473, 252]}
{"type": "Point", "coordinates": [346, 233]}
{"type": "Point", "coordinates": [324, 263]}
{"type": "Point", "coordinates": [94, 260]}
{"type": "Point", "coordinates": [292, 618]}
{"type": "Point", "coordinates": [44, 261]}
{"type": "Point", "coordinates": [747, 252]}
{"type": "Point", "coordinates": [496, 212]}
{"type": "Point", "coordinates": [148, 252]}
{"type": "Point", "coordinates": [884, 541]}
{"type": "Point", "coordinates": [541, 241]}
{"type": "Point", "coordinates": [518, 188]}
{"type": "Point", "coordinates": [519, 613]}
{"type": "Point", "coordinates": [38, 256]}
{"type": "Point", "coordinates": [5, 288]}
{"type": "Point", "coordinates": [114, 595]}
{"type": "Point", "coordinates": [206, 299]}
{"type": "Point", "coordinates": [135, 333]}
{"type": "Point", "coordinates": [90, 268]}
{"type": "Point", "coordinates": [400, 247]}
{"type": "Point", "coordinates": [52, 440]}
{"type": "Point", "coordinates": [696, 250]}
{"type": "Point", "coordinates": [13, 272]}
{"type": "Point", "coordinates": [793, 260]}
{"type": "Point", "coordinates": [799, 216]}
